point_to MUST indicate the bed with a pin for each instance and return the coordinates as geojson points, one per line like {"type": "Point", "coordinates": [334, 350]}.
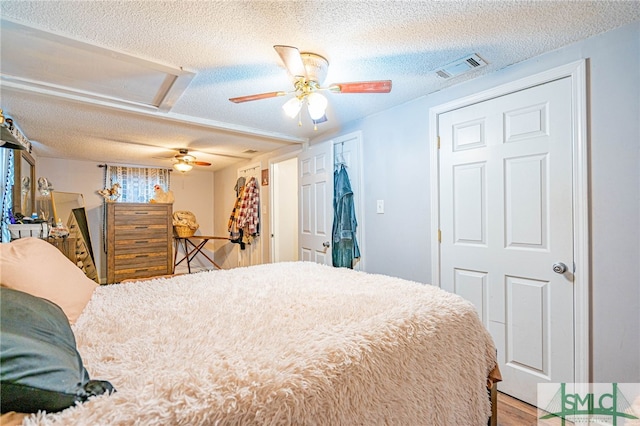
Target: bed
{"type": "Point", "coordinates": [280, 344]}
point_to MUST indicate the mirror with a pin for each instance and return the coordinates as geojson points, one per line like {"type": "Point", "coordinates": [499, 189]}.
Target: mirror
{"type": "Point", "coordinates": [68, 207]}
{"type": "Point", "coordinates": [63, 204]}
{"type": "Point", "coordinates": [24, 183]}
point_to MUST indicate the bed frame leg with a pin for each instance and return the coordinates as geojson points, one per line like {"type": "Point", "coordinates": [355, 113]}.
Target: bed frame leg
{"type": "Point", "coordinates": [493, 397]}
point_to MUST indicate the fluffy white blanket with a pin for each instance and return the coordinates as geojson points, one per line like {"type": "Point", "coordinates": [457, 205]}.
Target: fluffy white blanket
{"type": "Point", "coordinates": [282, 344]}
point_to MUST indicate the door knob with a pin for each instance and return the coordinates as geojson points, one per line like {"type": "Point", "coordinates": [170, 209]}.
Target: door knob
{"type": "Point", "coordinates": [326, 244]}
{"type": "Point", "coordinates": [559, 268]}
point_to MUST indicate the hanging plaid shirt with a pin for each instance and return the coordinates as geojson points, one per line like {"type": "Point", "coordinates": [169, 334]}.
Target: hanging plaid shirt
{"type": "Point", "coordinates": [234, 230]}
{"type": "Point", "coordinates": [248, 215]}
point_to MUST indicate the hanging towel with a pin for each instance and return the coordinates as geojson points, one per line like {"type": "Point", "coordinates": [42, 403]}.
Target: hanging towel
{"type": "Point", "coordinates": [345, 245]}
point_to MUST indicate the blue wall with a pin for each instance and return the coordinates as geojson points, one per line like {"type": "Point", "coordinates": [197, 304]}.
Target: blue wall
{"type": "Point", "coordinates": [396, 169]}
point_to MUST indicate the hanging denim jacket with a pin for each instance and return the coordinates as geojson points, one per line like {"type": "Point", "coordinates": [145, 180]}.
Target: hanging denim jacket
{"type": "Point", "coordinates": [345, 245]}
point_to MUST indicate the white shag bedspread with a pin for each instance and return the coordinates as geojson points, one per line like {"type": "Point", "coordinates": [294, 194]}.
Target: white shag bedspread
{"type": "Point", "coordinates": [282, 344]}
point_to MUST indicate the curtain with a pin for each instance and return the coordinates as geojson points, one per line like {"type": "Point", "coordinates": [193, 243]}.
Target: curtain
{"type": "Point", "coordinates": [7, 172]}
{"type": "Point", "coordinates": [136, 183]}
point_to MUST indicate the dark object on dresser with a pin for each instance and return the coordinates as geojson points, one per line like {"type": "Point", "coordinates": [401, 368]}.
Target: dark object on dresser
{"type": "Point", "coordinates": [139, 240]}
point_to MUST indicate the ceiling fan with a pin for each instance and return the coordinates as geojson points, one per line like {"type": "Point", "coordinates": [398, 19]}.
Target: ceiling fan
{"type": "Point", "coordinates": [183, 161]}
{"type": "Point", "coordinates": [308, 71]}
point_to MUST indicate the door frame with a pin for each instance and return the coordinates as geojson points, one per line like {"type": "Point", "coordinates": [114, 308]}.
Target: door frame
{"type": "Point", "coordinates": [310, 151]}
{"type": "Point", "coordinates": [272, 162]}
{"type": "Point", "coordinates": [576, 71]}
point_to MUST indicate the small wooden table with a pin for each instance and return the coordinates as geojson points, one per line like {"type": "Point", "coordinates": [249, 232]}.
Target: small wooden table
{"type": "Point", "coordinates": [192, 249]}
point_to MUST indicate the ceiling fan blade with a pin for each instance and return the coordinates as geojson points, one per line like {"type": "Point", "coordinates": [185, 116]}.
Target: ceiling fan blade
{"type": "Point", "coordinates": [200, 163]}
{"type": "Point", "coordinates": [381, 86]}
{"type": "Point", "coordinates": [257, 97]}
{"type": "Point", "coordinates": [292, 60]}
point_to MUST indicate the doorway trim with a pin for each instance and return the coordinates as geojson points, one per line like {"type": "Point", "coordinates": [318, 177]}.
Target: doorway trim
{"type": "Point", "coordinates": [576, 71]}
{"type": "Point", "coordinates": [272, 214]}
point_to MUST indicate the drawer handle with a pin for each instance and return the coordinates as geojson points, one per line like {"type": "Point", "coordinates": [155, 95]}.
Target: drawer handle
{"type": "Point", "coordinates": [141, 270]}
{"type": "Point", "coordinates": [141, 227]}
{"type": "Point", "coordinates": [141, 212]}
{"type": "Point", "coordinates": [141, 242]}
{"type": "Point", "coordinates": [142, 255]}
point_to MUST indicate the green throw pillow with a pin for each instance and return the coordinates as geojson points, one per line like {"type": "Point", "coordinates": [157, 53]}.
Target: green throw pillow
{"type": "Point", "coordinates": [40, 367]}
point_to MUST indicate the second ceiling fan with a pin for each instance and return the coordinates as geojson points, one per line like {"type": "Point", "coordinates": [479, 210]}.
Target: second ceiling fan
{"type": "Point", "coordinates": [183, 161]}
{"type": "Point", "coordinates": [308, 71]}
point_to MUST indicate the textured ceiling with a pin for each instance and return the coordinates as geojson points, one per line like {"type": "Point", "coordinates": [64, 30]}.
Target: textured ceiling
{"type": "Point", "coordinates": [228, 45]}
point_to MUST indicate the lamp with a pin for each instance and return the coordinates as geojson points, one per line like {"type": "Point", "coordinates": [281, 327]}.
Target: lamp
{"type": "Point", "coordinates": [317, 104]}
{"type": "Point", "coordinates": [307, 91]}
{"type": "Point", "coordinates": [292, 107]}
{"type": "Point", "coordinates": [182, 166]}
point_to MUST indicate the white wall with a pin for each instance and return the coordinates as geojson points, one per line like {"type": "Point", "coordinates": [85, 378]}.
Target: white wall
{"type": "Point", "coordinates": [396, 169]}
{"type": "Point", "coordinates": [226, 255]}
{"type": "Point", "coordinates": [193, 191]}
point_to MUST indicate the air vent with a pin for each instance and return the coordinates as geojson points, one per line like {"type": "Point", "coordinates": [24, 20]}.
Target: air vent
{"type": "Point", "coordinates": [249, 151]}
{"type": "Point", "coordinates": [461, 66]}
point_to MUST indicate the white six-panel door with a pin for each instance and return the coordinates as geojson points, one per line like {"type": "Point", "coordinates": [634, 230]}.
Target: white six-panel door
{"type": "Point", "coordinates": [506, 220]}
{"type": "Point", "coordinates": [315, 198]}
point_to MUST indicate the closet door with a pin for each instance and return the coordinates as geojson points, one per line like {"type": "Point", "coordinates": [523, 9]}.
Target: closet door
{"type": "Point", "coordinates": [507, 228]}
{"type": "Point", "coordinates": [316, 203]}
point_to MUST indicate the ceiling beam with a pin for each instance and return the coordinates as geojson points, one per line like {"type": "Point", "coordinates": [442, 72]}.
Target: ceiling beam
{"type": "Point", "coordinates": [144, 110]}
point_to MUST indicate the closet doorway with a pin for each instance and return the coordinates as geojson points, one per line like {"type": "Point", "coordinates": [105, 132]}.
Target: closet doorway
{"type": "Point", "coordinates": [510, 211]}
{"type": "Point", "coordinates": [285, 175]}
{"type": "Point", "coordinates": [285, 197]}
{"type": "Point", "coordinates": [284, 209]}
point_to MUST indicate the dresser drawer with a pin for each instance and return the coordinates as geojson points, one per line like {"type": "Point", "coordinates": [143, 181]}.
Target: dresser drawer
{"type": "Point", "coordinates": [137, 218]}
{"type": "Point", "coordinates": [140, 260]}
{"type": "Point", "coordinates": [140, 272]}
{"type": "Point", "coordinates": [133, 232]}
{"type": "Point", "coordinates": [140, 209]}
{"type": "Point", "coordinates": [142, 245]}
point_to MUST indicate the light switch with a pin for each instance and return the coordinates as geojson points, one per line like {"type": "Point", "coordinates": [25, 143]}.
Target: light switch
{"type": "Point", "coordinates": [380, 206]}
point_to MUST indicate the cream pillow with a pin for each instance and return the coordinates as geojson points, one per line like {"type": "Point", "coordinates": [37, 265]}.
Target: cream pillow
{"type": "Point", "coordinates": [36, 267]}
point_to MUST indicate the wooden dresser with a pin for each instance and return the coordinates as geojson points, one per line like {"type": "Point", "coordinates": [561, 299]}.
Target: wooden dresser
{"type": "Point", "coordinates": [139, 240]}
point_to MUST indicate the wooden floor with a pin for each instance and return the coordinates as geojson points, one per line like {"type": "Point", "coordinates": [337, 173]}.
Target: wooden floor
{"type": "Point", "coordinates": [513, 412]}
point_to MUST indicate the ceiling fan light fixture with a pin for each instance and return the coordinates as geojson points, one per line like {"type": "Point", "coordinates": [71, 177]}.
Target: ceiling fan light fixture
{"type": "Point", "coordinates": [308, 71]}
{"type": "Point", "coordinates": [182, 166]}
{"type": "Point", "coordinates": [317, 105]}
{"type": "Point", "coordinates": [292, 107]}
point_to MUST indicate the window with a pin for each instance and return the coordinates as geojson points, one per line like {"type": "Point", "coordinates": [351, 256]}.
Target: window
{"type": "Point", "coordinates": [136, 183]}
